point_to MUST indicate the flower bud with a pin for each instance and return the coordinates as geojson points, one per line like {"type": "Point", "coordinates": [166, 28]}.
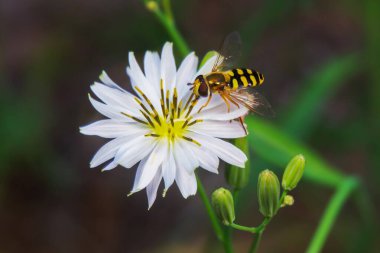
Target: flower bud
{"type": "Point", "coordinates": [293, 172]}
{"type": "Point", "coordinates": [268, 190]}
{"type": "Point", "coordinates": [238, 177]}
{"type": "Point", "coordinates": [223, 204]}
{"type": "Point", "coordinates": [151, 5]}
{"type": "Point", "coordinates": [288, 201]}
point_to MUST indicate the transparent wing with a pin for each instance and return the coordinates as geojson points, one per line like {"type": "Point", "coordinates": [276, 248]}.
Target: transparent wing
{"type": "Point", "coordinates": [253, 100]}
{"type": "Point", "coordinates": [228, 53]}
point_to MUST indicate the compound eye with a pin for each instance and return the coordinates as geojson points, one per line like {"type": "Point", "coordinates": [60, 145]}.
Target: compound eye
{"type": "Point", "coordinates": [203, 90]}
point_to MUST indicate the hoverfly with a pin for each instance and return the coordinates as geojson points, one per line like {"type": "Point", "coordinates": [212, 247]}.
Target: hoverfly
{"type": "Point", "coordinates": [234, 85]}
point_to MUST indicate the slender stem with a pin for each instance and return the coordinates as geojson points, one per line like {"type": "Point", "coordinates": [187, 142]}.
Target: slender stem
{"type": "Point", "coordinates": [229, 230]}
{"type": "Point", "coordinates": [331, 213]}
{"type": "Point", "coordinates": [227, 240]}
{"type": "Point", "coordinates": [167, 20]}
{"type": "Point", "coordinates": [256, 242]}
{"type": "Point", "coordinates": [243, 228]}
{"type": "Point", "coordinates": [211, 214]}
{"type": "Point", "coordinates": [283, 195]}
{"type": "Point", "coordinates": [168, 9]}
{"type": "Point", "coordinates": [253, 230]}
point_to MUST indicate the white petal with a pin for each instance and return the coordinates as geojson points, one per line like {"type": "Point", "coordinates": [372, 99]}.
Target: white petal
{"type": "Point", "coordinates": [108, 128]}
{"type": "Point", "coordinates": [110, 166]}
{"type": "Point", "coordinates": [168, 68]}
{"type": "Point", "coordinates": [148, 169]}
{"type": "Point", "coordinates": [139, 80]}
{"type": "Point", "coordinates": [169, 169]}
{"type": "Point", "coordinates": [224, 150]}
{"type": "Point", "coordinates": [219, 129]}
{"type": "Point", "coordinates": [187, 182]}
{"type": "Point", "coordinates": [112, 112]}
{"type": "Point", "coordinates": [134, 150]}
{"type": "Point", "coordinates": [207, 160]}
{"type": "Point", "coordinates": [151, 189]}
{"type": "Point", "coordinates": [219, 113]}
{"type": "Point", "coordinates": [184, 156]}
{"type": "Point", "coordinates": [115, 97]}
{"type": "Point", "coordinates": [108, 81]}
{"type": "Point", "coordinates": [207, 67]}
{"type": "Point", "coordinates": [186, 74]}
{"type": "Point", "coordinates": [107, 151]}
{"type": "Point", "coordinates": [152, 70]}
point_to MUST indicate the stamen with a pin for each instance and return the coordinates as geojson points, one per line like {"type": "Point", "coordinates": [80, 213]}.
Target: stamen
{"type": "Point", "coordinates": [147, 118]}
{"type": "Point", "coordinates": [157, 119]}
{"type": "Point", "coordinates": [191, 140]}
{"type": "Point", "coordinates": [179, 109]}
{"type": "Point", "coordinates": [175, 97]}
{"type": "Point", "coordinates": [167, 101]}
{"type": "Point", "coordinates": [147, 99]}
{"type": "Point", "coordinates": [152, 135]}
{"type": "Point", "coordinates": [142, 105]}
{"type": "Point", "coordinates": [195, 101]}
{"type": "Point", "coordinates": [188, 101]}
{"type": "Point", "coordinates": [162, 98]}
{"type": "Point", "coordinates": [194, 122]}
{"type": "Point", "coordinates": [134, 118]}
{"type": "Point", "coordinates": [186, 122]}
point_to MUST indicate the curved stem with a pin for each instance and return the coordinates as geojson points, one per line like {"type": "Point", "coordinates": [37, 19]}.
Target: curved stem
{"type": "Point", "coordinates": [331, 213]}
{"type": "Point", "coordinates": [253, 230]}
{"type": "Point", "coordinates": [211, 214]}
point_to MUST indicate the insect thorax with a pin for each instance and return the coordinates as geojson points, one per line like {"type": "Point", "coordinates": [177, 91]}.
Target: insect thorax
{"type": "Point", "coordinates": [216, 79]}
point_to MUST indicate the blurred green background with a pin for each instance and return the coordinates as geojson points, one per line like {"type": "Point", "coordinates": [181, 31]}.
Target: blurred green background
{"type": "Point", "coordinates": [321, 63]}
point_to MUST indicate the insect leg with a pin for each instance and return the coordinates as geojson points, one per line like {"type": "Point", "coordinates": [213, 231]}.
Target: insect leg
{"type": "Point", "coordinates": [242, 124]}
{"type": "Point", "coordinates": [231, 100]}
{"type": "Point", "coordinates": [226, 101]}
{"type": "Point", "coordinates": [208, 101]}
{"type": "Point", "coordinates": [240, 118]}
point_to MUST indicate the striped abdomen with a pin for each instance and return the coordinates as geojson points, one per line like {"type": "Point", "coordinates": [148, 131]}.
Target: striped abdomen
{"type": "Point", "coordinates": [244, 77]}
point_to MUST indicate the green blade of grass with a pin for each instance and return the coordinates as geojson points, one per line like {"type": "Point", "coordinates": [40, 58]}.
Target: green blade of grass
{"type": "Point", "coordinates": [301, 116]}
{"type": "Point", "coordinates": [274, 146]}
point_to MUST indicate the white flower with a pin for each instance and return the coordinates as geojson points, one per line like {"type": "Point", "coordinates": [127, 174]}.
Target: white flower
{"type": "Point", "coordinates": [161, 129]}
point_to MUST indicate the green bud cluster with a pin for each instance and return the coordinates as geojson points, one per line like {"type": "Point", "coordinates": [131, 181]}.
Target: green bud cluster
{"type": "Point", "coordinates": [223, 204]}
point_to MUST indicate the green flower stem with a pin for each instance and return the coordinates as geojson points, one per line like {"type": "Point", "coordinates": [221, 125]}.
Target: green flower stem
{"type": "Point", "coordinates": [342, 193]}
{"type": "Point", "coordinates": [229, 230]}
{"type": "Point", "coordinates": [167, 20]}
{"type": "Point", "coordinates": [227, 240]}
{"type": "Point", "coordinates": [168, 9]}
{"type": "Point", "coordinates": [255, 242]}
{"type": "Point", "coordinates": [252, 230]}
{"type": "Point", "coordinates": [257, 239]}
{"type": "Point", "coordinates": [211, 214]}
{"type": "Point", "coordinates": [283, 195]}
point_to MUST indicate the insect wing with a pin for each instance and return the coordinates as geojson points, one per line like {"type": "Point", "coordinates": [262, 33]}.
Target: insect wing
{"type": "Point", "coordinates": [228, 53]}
{"type": "Point", "coordinates": [253, 100]}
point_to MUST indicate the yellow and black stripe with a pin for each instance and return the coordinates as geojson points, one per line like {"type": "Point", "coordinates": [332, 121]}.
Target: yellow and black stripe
{"type": "Point", "coordinates": [244, 77]}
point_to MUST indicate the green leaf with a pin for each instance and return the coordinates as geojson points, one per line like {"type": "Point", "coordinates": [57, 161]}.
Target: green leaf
{"type": "Point", "coordinates": [207, 56]}
{"type": "Point", "coordinates": [274, 146]}
{"type": "Point", "coordinates": [301, 116]}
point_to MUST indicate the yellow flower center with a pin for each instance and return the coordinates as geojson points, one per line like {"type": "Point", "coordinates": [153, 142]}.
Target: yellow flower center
{"type": "Point", "coordinates": [174, 120]}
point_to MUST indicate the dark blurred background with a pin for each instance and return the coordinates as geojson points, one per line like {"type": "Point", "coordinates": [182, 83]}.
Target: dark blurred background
{"type": "Point", "coordinates": [51, 201]}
